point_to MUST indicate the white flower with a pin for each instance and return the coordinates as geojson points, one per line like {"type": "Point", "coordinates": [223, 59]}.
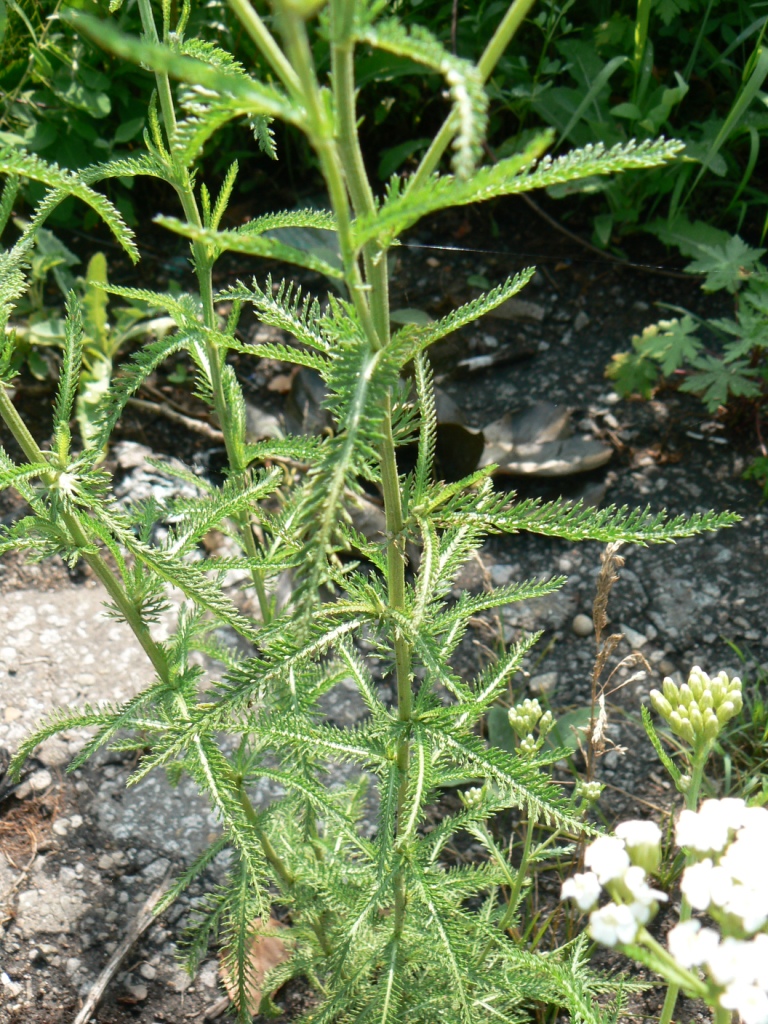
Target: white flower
{"type": "Point", "coordinates": [750, 905]}
{"type": "Point", "coordinates": [584, 889]}
{"type": "Point", "coordinates": [729, 810]}
{"type": "Point", "coordinates": [744, 859]}
{"type": "Point", "coordinates": [730, 961]}
{"type": "Point", "coordinates": [643, 842]}
{"type": "Point", "coordinates": [640, 911]}
{"type": "Point", "coordinates": [639, 833]}
{"type": "Point", "coordinates": [612, 924]}
{"type": "Point", "coordinates": [754, 823]}
{"type": "Point", "coordinates": [705, 883]}
{"type": "Point", "coordinates": [751, 1001]}
{"type": "Point", "coordinates": [635, 880]}
{"type": "Point", "coordinates": [607, 857]}
{"type": "Point", "coordinates": [690, 944]}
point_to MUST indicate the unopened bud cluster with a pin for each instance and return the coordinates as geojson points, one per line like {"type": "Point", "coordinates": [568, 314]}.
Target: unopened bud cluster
{"type": "Point", "coordinates": [697, 710]}
{"type": "Point", "coordinates": [527, 717]}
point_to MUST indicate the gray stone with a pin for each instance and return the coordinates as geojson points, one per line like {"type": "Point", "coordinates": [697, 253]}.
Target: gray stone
{"type": "Point", "coordinates": [137, 991]}
{"type": "Point", "coordinates": [543, 684]}
{"type": "Point", "coordinates": [634, 639]}
{"type": "Point", "coordinates": [40, 781]}
{"type": "Point", "coordinates": [148, 972]}
{"type": "Point", "coordinates": [582, 625]}
{"type": "Point", "coordinates": [54, 908]}
{"type": "Point", "coordinates": [549, 612]}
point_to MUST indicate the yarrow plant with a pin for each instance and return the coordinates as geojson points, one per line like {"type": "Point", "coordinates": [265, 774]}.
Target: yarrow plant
{"type": "Point", "coordinates": [380, 926]}
{"type": "Point", "coordinates": [724, 842]}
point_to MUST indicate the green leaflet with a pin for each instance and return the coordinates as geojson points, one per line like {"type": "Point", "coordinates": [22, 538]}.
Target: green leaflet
{"type": "Point", "coordinates": [252, 244]}
{"type": "Point", "coordinates": [515, 174]}
{"type": "Point", "coordinates": [17, 162]}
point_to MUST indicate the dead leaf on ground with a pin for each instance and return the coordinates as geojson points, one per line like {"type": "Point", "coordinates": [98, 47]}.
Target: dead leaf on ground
{"type": "Point", "coordinates": [283, 382]}
{"type": "Point", "coordinates": [267, 950]}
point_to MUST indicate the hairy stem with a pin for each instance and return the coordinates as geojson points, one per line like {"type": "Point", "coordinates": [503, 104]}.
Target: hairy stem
{"type": "Point", "coordinates": [204, 274]}
{"type": "Point", "coordinates": [320, 132]}
{"type": "Point", "coordinates": [267, 44]}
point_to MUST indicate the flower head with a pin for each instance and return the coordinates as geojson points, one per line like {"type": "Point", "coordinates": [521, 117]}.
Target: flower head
{"type": "Point", "coordinates": [613, 924]}
{"type": "Point", "coordinates": [637, 884]}
{"type": "Point", "coordinates": [690, 944]}
{"type": "Point", "coordinates": [642, 840]}
{"type": "Point", "coordinates": [584, 889]}
{"type": "Point", "coordinates": [607, 857]}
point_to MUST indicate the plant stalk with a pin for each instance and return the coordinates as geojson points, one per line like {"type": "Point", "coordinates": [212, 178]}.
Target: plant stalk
{"type": "Point", "coordinates": [204, 273]}
{"type": "Point", "coordinates": [691, 802]}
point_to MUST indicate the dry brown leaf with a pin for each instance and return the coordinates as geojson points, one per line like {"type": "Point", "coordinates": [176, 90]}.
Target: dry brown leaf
{"type": "Point", "coordinates": [266, 951]}
{"type": "Point", "coordinates": [282, 382]}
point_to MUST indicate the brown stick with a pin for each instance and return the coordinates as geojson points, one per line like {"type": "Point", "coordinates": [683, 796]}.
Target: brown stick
{"type": "Point", "coordinates": [163, 409]}
{"type": "Point", "coordinates": [138, 926]}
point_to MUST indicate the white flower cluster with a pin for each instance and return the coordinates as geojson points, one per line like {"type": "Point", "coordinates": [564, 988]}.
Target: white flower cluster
{"type": "Point", "coordinates": [619, 864]}
{"type": "Point", "coordinates": [526, 717]}
{"type": "Point", "coordinates": [697, 710]}
{"type": "Point", "coordinates": [729, 881]}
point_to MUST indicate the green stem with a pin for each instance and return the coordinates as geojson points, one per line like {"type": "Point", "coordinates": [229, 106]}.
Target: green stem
{"type": "Point", "coordinates": [319, 130]}
{"type": "Point", "coordinates": [699, 761]}
{"type": "Point", "coordinates": [361, 194]}
{"type": "Point", "coordinates": [511, 22]}
{"type": "Point", "coordinates": [204, 273]}
{"type": "Point", "coordinates": [274, 859]}
{"type": "Point", "coordinates": [267, 44]}
{"type": "Point", "coordinates": [522, 871]}
{"type": "Point", "coordinates": [99, 567]}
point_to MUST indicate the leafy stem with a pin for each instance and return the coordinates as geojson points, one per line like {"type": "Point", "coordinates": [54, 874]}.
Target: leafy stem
{"type": "Point", "coordinates": [101, 570]}
{"type": "Point", "coordinates": [204, 273]}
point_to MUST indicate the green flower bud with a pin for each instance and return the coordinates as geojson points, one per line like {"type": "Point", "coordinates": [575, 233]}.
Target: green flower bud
{"type": "Point", "coordinates": [687, 732]}
{"type": "Point", "coordinates": [684, 783]}
{"type": "Point", "coordinates": [734, 696]}
{"type": "Point", "coordinates": [686, 695]}
{"type": "Point", "coordinates": [718, 689]}
{"type": "Point", "coordinates": [676, 722]}
{"type": "Point", "coordinates": [697, 722]}
{"type": "Point", "coordinates": [696, 684]}
{"type": "Point", "coordinates": [661, 705]}
{"type": "Point", "coordinates": [705, 700]}
{"type": "Point", "coordinates": [736, 684]}
{"type": "Point", "coordinates": [545, 723]}
{"type": "Point", "coordinates": [528, 745]}
{"type": "Point", "coordinates": [682, 710]}
{"type": "Point", "coordinates": [711, 726]}
{"type": "Point", "coordinates": [589, 791]}
{"type": "Point", "coordinates": [725, 712]}
{"type": "Point", "coordinates": [670, 691]}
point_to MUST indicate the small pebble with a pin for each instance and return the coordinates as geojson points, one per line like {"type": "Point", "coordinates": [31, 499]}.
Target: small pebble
{"type": "Point", "coordinates": [60, 826]}
{"type": "Point", "coordinates": [582, 625]}
{"type": "Point", "coordinates": [542, 684]}
{"type": "Point", "coordinates": [40, 780]}
{"type": "Point", "coordinates": [75, 821]}
{"type": "Point", "coordinates": [138, 992]}
{"type": "Point", "coordinates": [148, 972]}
